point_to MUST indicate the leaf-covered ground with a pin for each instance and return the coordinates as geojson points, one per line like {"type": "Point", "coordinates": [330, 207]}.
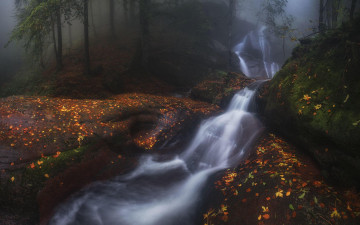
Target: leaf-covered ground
{"type": "Point", "coordinates": [59, 145]}
{"type": "Point", "coordinates": [35, 126]}
{"type": "Point", "coordinates": [278, 185]}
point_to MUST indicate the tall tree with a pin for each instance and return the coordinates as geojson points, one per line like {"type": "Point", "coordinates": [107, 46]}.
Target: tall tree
{"type": "Point", "coordinates": [352, 9]}
{"type": "Point", "coordinates": [232, 14]}
{"type": "Point", "coordinates": [335, 6]}
{"type": "Point", "coordinates": [276, 18]}
{"type": "Point", "coordinates": [59, 53]}
{"type": "Point", "coordinates": [86, 36]}
{"type": "Point", "coordinates": [126, 11]}
{"type": "Point", "coordinates": [36, 20]}
{"type": "Point", "coordinates": [321, 16]}
{"type": "Point", "coordinates": [92, 18]}
{"type": "Point", "coordinates": [144, 13]}
{"type": "Point", "coordinates": [112, 19]}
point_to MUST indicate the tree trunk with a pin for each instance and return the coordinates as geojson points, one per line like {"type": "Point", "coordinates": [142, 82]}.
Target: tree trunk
{"type": "Point", "coordinates": [334, 12]}
{"type": "Point", "coordinates": [70, 37]}
{"type": "Point", "coordinates": [126, 11]}
{"type": "Point", "coordinates": [145, 33]}
{"type": "Point", "coordinates": [232, 13]}
{"type": "Point", "coordinates": [92, 19]}
{"type": "Point", "coordinates": [59, 37]}
{"type": "Point", "coordinates": [111, 13]}
{"type": "Point", "coordinates": [321, 16]}
{"type": "Point", "coordinates": [352, 9]}
{"type": "Point", "coordinates": [132, 10]}
{"type": "Point", "coordinates": [86, 37]}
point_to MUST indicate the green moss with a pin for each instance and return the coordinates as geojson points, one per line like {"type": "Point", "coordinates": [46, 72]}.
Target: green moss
{"type": "Point", "coordinates": [19, 196]}
{"type": "Point", "coordinates": [317, 93]}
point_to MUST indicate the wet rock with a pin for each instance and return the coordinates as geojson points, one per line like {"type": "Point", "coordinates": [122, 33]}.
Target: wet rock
{"type": "Point", "coordinates": [220, 87]}
{"type": "Point", "coordinates": [313, 101]}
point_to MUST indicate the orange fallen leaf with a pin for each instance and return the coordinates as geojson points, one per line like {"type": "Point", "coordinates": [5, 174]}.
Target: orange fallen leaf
{"type": "Point", "coordinates": [293, 215]}
{"type": "Point", "coordinates": [268, 198]}
{"type": "Point", "coordinates": [317, 183]}
{"type": "Point", "coordinates": [248, 190]}
{"type": "Point", "coordinates": [266, 216]}
{"type": "Point", "coordinates": [288, 192]}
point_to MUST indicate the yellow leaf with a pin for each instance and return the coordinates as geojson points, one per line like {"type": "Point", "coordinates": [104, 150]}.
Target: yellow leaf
{"type": "Point", "coordinates": [265, 209]}
{"type": "Point", "coordinates": [259, 218]}
{"type": "Point", "coordinates": [12, 179]}
{"type": "Point", "coordinates": [318, 106]}
{"type": "Point", "coordinates": [335, 214]}
{"type": "Point", "coordinates": [46, 175]}
{"type": "Point", "coordinates": [279, 193]}
{"type": "Point", "coordinates": [306, 97]}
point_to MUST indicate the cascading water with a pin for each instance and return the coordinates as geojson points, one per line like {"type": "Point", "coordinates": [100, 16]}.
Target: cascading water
{"type": "Point", "coordinates": [166, 192]}
{"type": "Point", "coordinates": [254, 53]}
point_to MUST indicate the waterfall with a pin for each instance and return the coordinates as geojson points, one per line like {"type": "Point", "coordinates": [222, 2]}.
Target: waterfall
{"type": "Point", "coordinates": [161, 192]}
{"type": "Point", "coordinates": [254, 53]}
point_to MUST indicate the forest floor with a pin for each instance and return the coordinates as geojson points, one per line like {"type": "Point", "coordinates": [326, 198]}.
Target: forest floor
{"type": "Point", "coordinates": [279, 184]}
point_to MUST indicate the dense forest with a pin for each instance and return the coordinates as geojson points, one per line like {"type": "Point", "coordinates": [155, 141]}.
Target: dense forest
{"type": "Point", "coordinates": [167, 112]}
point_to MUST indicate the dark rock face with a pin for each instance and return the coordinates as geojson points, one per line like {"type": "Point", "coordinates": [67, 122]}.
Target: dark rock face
{"type": "Point", "coordinates": [220, 88]}
{"type": "Point", "coordinates": [194, 42]}
{"type": "Point", "coordinates": [314, 101]}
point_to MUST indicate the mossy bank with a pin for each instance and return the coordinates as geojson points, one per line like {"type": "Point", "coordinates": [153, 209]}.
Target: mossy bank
{"type": "Point", "coordinates": [315, 101]}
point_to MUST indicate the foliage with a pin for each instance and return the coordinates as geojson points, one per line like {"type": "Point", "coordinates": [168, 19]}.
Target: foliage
{"type": "Point", "coordinates": [274, 16]}
{"type": "Point", "coordinates": [36, 20]}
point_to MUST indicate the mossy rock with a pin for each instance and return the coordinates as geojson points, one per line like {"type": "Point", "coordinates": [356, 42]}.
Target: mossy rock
{"type": "Point", "coordinates": [219, 87]}
{"type": "Point", "coordinates": [314, 100]}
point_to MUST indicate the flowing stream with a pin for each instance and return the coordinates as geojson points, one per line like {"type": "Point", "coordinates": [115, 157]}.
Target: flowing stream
{"type": "Point", "coordinates": [166, 192]}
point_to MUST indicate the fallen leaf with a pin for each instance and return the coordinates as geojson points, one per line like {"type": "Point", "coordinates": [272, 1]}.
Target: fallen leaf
{"type": "Point", "coordinates": [288, 192]}
{"type": "Point", "coordinates": [291, 207]}
{"type": "Point", "coordinates": [279, 193]}
{"type": "Point", "coordinates": [302, 195]}
{"type": "Point", "coordinates": [266, 216]}
{"type": "Point", "coordinates": [265, 209]}
{"type": "Point", "coordinates": [12, 179]}
{"type": "Point", "coordinates": [335, 214]}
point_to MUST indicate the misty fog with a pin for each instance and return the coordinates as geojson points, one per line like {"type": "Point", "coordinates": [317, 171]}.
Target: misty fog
{"type": "Point", "coordinates": [11, 58]}
{"type": "Point", "coordinates": [305, 14]}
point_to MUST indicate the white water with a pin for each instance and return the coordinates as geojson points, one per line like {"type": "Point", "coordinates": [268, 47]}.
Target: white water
{"type": "Point", "coordinates": [254, 53]}
{"type": "Point", "coordinates": [168, 192]}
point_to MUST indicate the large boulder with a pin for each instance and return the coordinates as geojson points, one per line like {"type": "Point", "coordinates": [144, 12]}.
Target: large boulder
{"type": "Point", "coordinates": [314, 100]}
{"type": "Point", "coordinates": [220, 87]}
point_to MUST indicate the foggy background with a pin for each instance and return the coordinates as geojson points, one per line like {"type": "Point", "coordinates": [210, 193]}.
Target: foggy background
{"type": "Point", "coordinates": [11, 58]}
{"type": "Point", "coordinates": [305, 13]}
